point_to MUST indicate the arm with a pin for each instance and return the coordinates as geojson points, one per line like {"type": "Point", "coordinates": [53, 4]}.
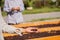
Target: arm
{"type": "Point", "coordinates": [21, 5]}
{"type": "Point", "coordinates": [12, 29]}
{"type": "Point", "coordinates": [8, 28]}
{"type": "Point", "coordinates": [6, 6]}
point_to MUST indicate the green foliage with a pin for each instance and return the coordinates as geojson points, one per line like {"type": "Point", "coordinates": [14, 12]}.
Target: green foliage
{"type": "Point", "coordinates": [1, 3]}
{"type": "Point", "coordinates": [29, 2]}
{"type": "Point", "coordinates": [41, 10]}
{"type": "Point", "coordinates": [37, 4]}
{"type": "Point", "coordinates": [4, 13]}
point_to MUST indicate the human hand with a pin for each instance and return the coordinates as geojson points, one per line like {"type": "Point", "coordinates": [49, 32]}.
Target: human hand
{"type": "Point", "coordinates": [13, 9]}
{"type": "Point", "coordinates": [16, 8]}
{"type": "Point", "coordinates": [19, 31]}
{"type": "Point", "coordinates": [31, 30]}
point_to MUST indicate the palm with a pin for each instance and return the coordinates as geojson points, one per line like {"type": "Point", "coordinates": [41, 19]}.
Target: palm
{"type": "Point", "coordinates": [31, 29]}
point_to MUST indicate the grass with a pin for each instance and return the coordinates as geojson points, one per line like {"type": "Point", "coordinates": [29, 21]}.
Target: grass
{"type": "Point", "coordinates": [4, 13]}
{"type": "Point", "coordinates": [42, 19]}
{"type": "Point", "coordinates": [40, 10]}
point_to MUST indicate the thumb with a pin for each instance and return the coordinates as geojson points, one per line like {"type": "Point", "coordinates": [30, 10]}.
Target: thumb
{"type": "Point", "coordinates": [19, 31]}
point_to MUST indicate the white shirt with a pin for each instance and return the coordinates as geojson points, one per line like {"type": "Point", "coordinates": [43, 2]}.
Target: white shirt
{"type": "Point", "coordinates": [8, 4]}
{"type": "Point", "coordinates": [15, 17]}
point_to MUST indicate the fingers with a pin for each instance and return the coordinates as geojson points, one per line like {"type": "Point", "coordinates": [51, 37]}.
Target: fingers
{"type": "Point", "coordinates": [32, 29]}
{"type": "Point", "coordinates": [16, 8]}
{"type": "Point", "coordinates": [19, 31]}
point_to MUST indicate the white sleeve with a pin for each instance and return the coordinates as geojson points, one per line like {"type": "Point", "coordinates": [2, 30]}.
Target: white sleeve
{"type": "Point", "coordinates": [5, 27]}
{"type": "Point", "coordinates": [6, 6]}
{"type": "Point", "coordinates": [8, 28]}
{"type": "Point", "coordinates": [21, 5]}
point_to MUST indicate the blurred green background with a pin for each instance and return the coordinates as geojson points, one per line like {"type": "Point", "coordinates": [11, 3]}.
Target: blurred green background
{"type": "Point", "coordinates": [37, 6]}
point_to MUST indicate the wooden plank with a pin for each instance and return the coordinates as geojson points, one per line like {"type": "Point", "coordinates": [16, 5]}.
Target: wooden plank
{"type": "Point", "coordinates": [49, 30]}
{"type": "Point", "coordinates": [28, 24]}
{"type": "Point", "coordinates": [47, 38]}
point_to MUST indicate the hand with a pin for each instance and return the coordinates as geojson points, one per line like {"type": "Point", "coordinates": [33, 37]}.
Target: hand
{"type": "Point", "coordinates": [13, 9]}
{"type": "Point", "coordinates": [19, 31]}
{"type": "Point", "coordinates": [16, 8]}
{"type": "Point", "coordinates": [31, 29]}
